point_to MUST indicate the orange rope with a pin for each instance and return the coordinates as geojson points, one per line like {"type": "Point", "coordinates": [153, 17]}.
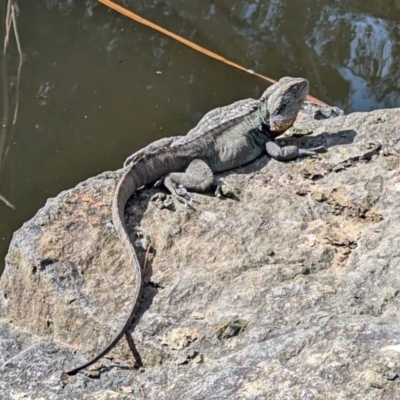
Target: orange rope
{"type": "Point", "coordinates": [188, 43]}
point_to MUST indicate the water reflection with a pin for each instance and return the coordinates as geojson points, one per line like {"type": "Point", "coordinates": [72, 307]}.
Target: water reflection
{"type": "Point", "coordinates": [367, 58]}
{"type": "Point", "coordinates": [96, 86]}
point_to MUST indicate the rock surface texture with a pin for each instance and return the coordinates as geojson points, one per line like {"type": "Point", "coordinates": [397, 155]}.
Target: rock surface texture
{"type": "Point", "coordinates": [288, 290]}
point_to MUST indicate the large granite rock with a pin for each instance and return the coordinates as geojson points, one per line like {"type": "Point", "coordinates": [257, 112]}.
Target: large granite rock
{"type": "Point", "coordinates": [288, 290]}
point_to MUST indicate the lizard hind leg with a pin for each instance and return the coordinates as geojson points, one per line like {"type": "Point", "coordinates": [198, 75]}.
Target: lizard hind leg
{"type": "Point", "coordinates": [198, 177]}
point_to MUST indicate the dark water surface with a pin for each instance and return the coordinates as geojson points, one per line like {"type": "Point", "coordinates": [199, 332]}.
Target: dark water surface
{"type": "Point", "coordinates": [96, 86]}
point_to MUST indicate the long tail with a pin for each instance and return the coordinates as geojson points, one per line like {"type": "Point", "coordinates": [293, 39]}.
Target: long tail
{"type": "Point", "coordinates": [147, 169]}
{"type": "Point", "coordinates": [126, 187]}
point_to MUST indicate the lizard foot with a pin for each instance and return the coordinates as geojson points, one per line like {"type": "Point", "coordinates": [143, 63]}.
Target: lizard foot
{"type": "Point", "coordinates": [177, 191]}
{"type": "Point", "coordinates": [183, 196]}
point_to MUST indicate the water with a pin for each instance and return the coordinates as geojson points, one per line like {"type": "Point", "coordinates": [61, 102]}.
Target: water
{"type": "Point", "coordinates": [96, 86]}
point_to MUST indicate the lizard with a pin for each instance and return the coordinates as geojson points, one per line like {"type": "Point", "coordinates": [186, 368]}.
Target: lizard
{"type": "Point", "coordinates": [225, 138]}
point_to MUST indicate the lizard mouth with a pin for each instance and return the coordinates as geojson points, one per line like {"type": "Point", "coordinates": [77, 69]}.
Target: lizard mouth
{"type": "Point", "coordinates": [280, 127]}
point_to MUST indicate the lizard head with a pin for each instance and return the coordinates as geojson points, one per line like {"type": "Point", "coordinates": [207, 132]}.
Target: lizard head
{"type": "Point", "coordinates": [283, 101]}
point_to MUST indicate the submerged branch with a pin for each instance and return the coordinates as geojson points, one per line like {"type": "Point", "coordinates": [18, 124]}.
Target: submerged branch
{"type": "Point", "coordinates": [4, 119]}
{"type": "Point", "coordinates": [6, 134]}
{"type": "Point", "coordinates": [6, 202]}
{"type": "Point", "coordinates": [8, 24]}
{"type": "Point", "coordinates": [14, 21]}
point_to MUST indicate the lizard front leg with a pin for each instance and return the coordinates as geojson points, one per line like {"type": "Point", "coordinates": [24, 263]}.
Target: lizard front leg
{"type": "Point", "coordinates": [287, 153]}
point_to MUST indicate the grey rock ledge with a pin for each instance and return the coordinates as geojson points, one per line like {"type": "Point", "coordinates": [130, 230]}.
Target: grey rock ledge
{"type": "Point", "coordinates": [288, 290]}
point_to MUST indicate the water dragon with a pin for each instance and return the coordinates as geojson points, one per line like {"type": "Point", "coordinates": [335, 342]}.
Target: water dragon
{"type": "Point", "coordinates": [225, 138]}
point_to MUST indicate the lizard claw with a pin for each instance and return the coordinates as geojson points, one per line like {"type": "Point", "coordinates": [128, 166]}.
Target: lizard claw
{"type": "Point", "coordinates": [313, 151]}
{"type": "Point", "coordinates": [183, 195]}
{"type": "Point", "coordinates": [181, 191]}
{"type": "Point", "coordinates": [319, 149]}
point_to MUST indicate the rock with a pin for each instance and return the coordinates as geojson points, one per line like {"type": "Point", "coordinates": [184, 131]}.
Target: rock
{"type": "Point", "coordinates": [290, 289]}
{"type": "Point", "coordinates": [230, 328]}
{"type": "Point", "coordinates": [179, 338]}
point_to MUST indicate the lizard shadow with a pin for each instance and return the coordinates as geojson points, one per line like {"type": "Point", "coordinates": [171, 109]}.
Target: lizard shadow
{"type": "Point", "coordinates": [135, 209]}
{"type": "Point", "coordinates": [324, 139]}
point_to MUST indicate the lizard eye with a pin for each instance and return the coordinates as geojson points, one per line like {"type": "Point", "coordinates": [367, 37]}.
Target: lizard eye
{"type": "Point", "coordinates": [281, 109]}
{"type": "Point", "coordinates": [295, 89]}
